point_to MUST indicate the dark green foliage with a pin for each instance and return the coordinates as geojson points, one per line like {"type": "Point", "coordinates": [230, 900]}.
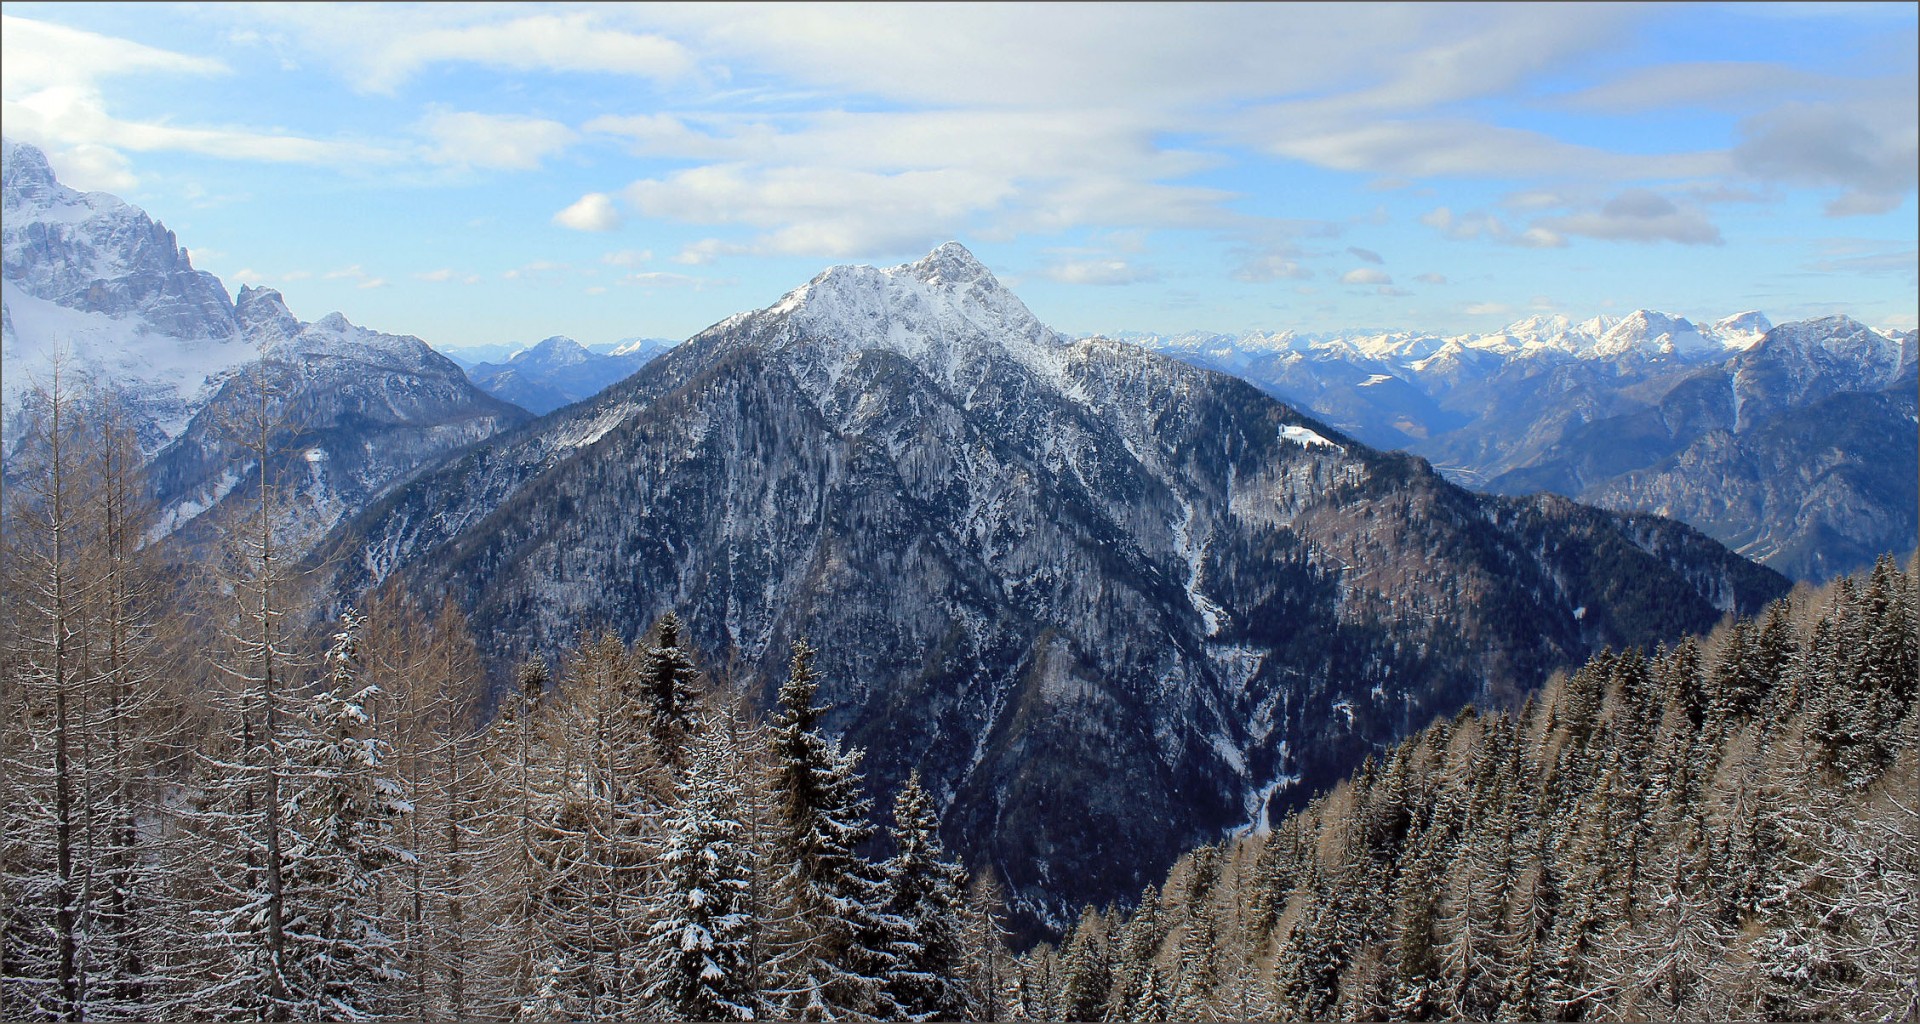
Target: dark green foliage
{"type": "Point", "coordinates": [926, 896]}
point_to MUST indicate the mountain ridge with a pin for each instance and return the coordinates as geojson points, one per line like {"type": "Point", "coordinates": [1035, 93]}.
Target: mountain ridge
{"type": "Point", "coordinates": [1547, 404]}
{"type": "Point", "coordinates": [1027, 561]}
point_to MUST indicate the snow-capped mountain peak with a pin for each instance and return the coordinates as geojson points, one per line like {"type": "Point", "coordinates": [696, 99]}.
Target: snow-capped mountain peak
{"type": "Point", "coordinates": [29, 179]}
{"type": "Point", "coordinates": [1647, 332]}
{"type": "Point", "coordinates": [1841, 342]}
{"type": "Point", "coordinates": [950, 263]}
{"type": "Point", "coordinates": [644, 347]}
{"type": "Point", "coordinates": [944, 311]}
{"type": "Point", "coordinates": [263, 313]}
{"type": "Point", "coordinates": [1742, 330]}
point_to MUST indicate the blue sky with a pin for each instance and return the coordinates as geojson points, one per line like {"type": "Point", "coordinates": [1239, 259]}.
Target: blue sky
{"type": "Point", "coordinates": [484, 174]}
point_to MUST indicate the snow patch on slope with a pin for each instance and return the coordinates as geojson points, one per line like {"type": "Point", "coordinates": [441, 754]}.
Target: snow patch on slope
{"type": "Point", "coordinates": [1195, 557]}
{"type": "Point", "coordinates": [1304, 436]}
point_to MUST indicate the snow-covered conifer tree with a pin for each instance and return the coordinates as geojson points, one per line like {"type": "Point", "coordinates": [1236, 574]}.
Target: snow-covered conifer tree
{"type": "Point", "coordinates": [926, 894]}
{"type": "Point", "coordinates": [834, 963]}
{"type": "Point", "coordinates": [700, 945]}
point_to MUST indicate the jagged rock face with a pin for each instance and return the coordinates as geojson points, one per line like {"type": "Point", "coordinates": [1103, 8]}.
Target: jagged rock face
{"type": "Point", "coordinates": [1630, 414]}
{"type": "Point", "coordinates": [100, 283]}
{"type": "Point", "coordinates": [558, 371]}
{"type": "Point", "coordinates": [97, 254]}
{"type": "Point", "coordinates": [1108, 604]}
{"type": "Point", "coordinates": [98, 280]}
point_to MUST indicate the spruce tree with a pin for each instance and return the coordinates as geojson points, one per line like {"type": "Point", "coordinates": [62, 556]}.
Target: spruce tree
{"type": "Point", "coordinates": [669, 685]}
{"type": "Point", "coordinates": [700, 939]}
{"type": "Point", "coordinates": [926, 898]}
{"type": "Point", "coordinates": [835, 963]}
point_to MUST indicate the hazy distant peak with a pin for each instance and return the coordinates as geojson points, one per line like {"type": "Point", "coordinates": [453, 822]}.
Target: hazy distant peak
{"type": "Point", "coordinates": [558, 350]}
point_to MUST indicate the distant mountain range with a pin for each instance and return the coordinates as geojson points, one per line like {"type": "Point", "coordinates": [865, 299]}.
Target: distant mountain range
{"type": "Point", "coordinates": [1105, 602]}
{"type": "Point", "coordinates": [560, 371]}
{"type": "Point", "coordinates": [1794, 444]}
{"type": "Point", "coordinates": [98, 282]}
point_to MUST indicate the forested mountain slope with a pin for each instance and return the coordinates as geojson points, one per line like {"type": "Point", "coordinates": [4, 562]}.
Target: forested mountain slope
{"type": "Point", "coordinates": [1725, 830]}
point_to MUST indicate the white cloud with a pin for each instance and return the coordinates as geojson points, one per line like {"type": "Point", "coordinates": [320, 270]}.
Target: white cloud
{"type": "Point", "coordinates": [1364, 255]}
{"type": "Point", "coordinates": [38, 55]}
{"type": "Point", "coordinates": [1098, 272]}
{"type": "Point", "coordinates": [1365, 275]}
{"type": "Point", "coordinates": [1271, 266]}
{"type": "Point", "coordinates": [592, 212]}
{"type": "Point", "coordinates": [627, 257]}
{"type": "Point", "coordinates": [869, 184]}
{"type": "Point", "coordinates": [535, 269]}
{"type": "Point", "coordinates": [92, 168]}
{"type": "Point", "coordinates": [1149, 57]}
{"type": "Point", "coordinates": [441, 275]}
{"type": "Point", "coordinates": [248, 276]}
{"type": "Point", "coordinates": [1456, 147]}
{"type": "Point", "coordinates": [500, 141]}
{"type": "Point", "coordinates": [53, 97]}
{"type": "Point", "coordinates": [821, 211]}
{"type": "Point", "coordinates": [356, 273]}
{"type": "Point", "coordinates": [1488, 309]}
{"type": "Point", "coordinates": [706, 250]}
{"type": "Point", "coordinates": [1740, 85]}
{"type": "Point", "coordinates": [1431, 278]}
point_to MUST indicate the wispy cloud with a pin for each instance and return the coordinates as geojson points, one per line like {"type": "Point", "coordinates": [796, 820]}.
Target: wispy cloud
{"type": "Point", "coordinates": [501, 141]}
{"type": "Point", "coordinates": [447, 274]}
{"type": "Point", "coordinates": [379, 49]}
{"type": "Point", "coordinates": [1098, 272]}
{"type": "Point", "coordinates": [657, 279]}
{"type": "Point", "coordinates": [1478, 224]}
{"type": "Point", "coordinates": [52, 79]}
